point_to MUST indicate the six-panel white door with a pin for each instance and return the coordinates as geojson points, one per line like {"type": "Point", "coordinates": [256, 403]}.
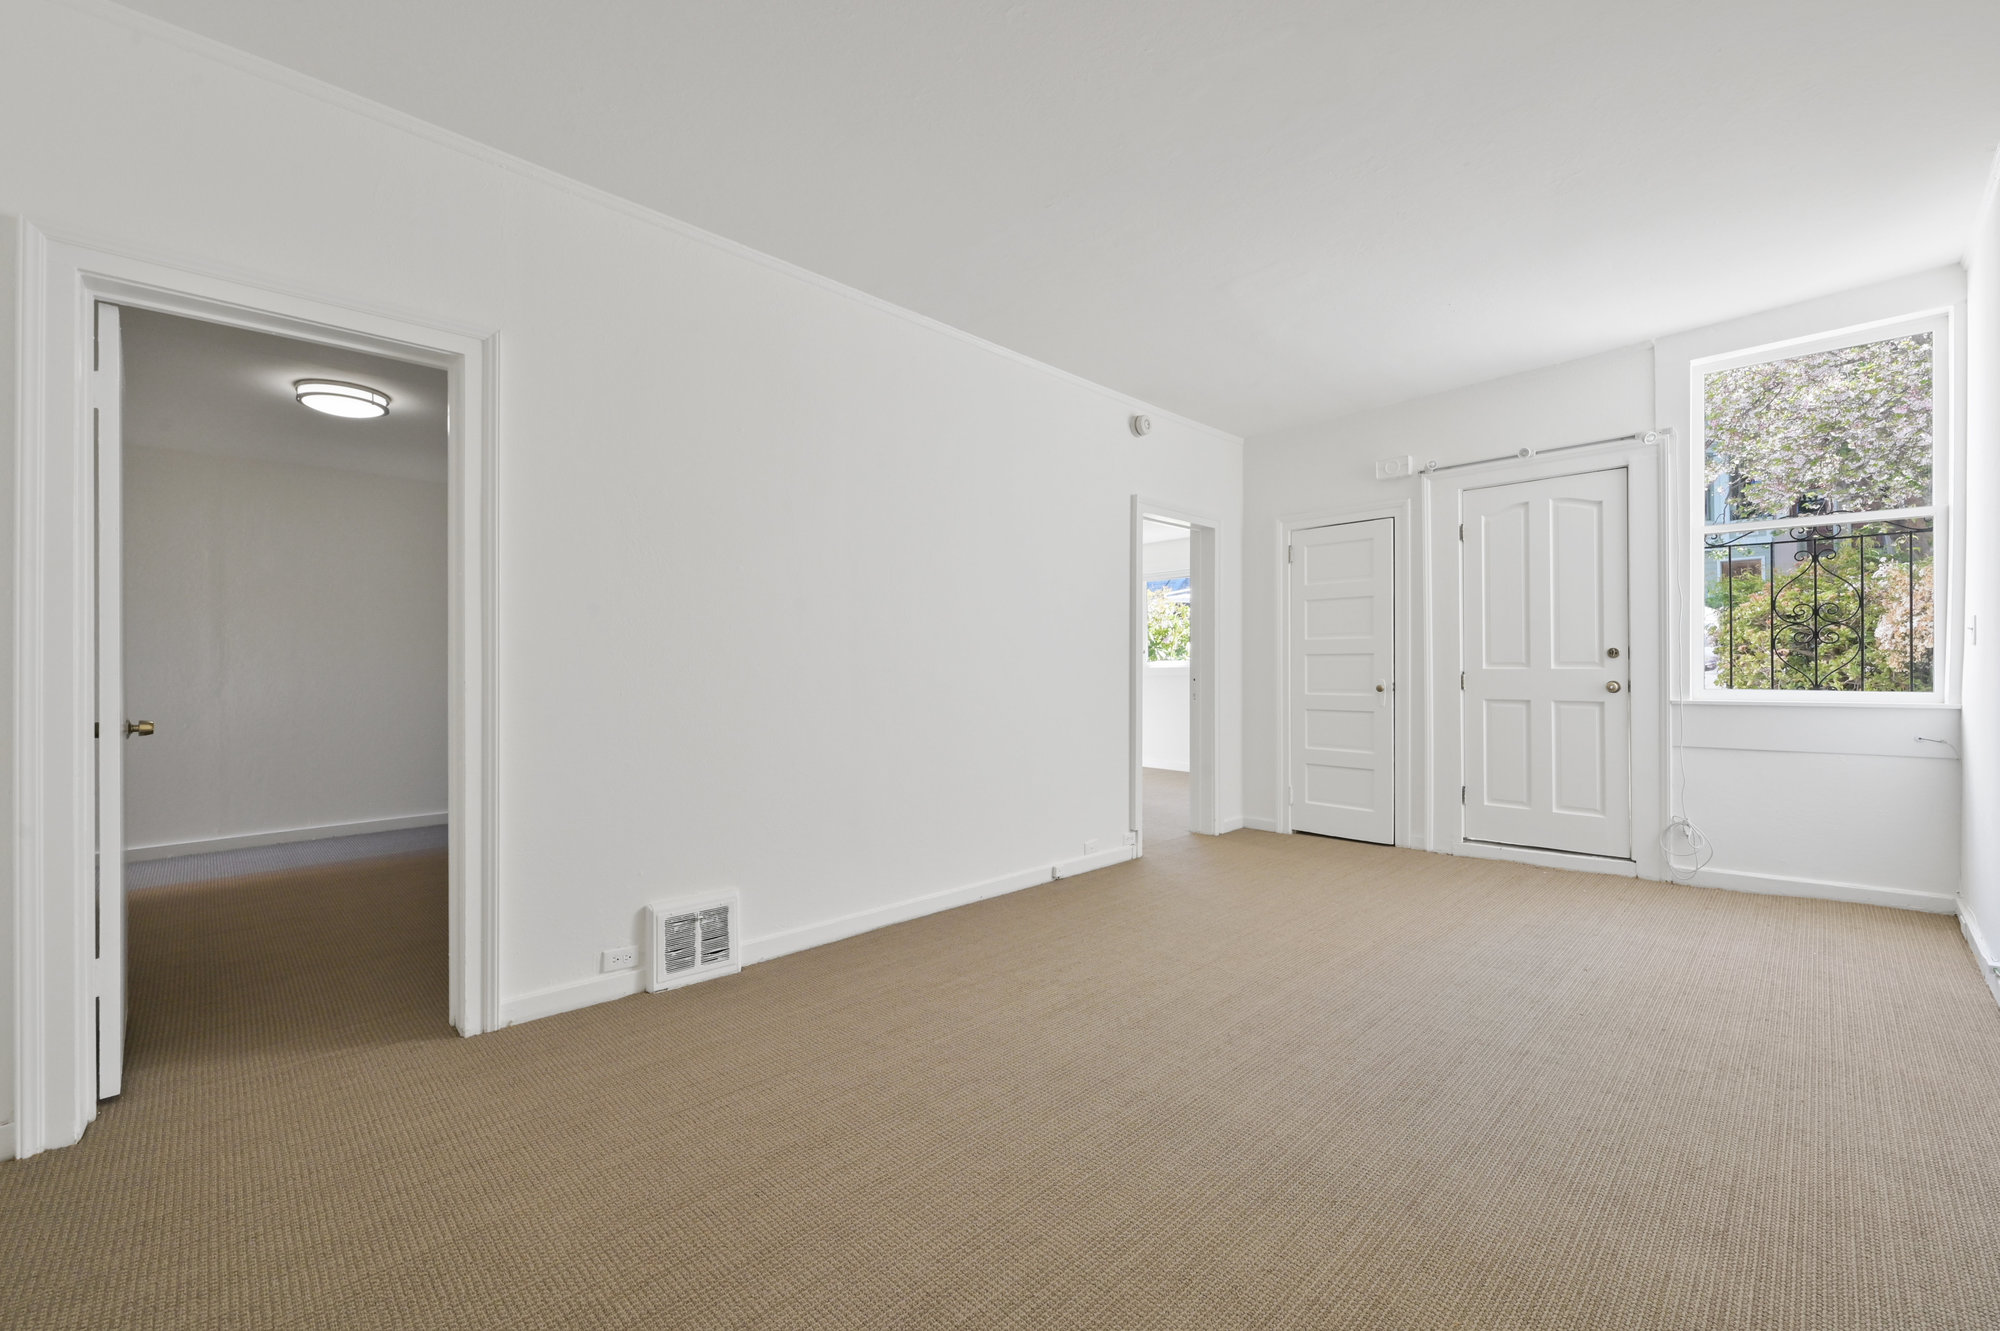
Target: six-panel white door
{"type": "Point", "coordinates": [1343, 668]}
{"type": "Point", "coordinates": [1547, 711]}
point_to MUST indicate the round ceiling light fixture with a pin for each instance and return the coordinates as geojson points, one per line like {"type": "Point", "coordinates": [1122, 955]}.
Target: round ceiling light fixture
{"type": "Point", "coordinates": [354, 401]}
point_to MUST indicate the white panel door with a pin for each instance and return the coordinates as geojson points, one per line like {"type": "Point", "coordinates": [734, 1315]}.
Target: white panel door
{"type": "Point", "coordinates": [1547, 704]}
{"type": "Point", "coordinates": [1343, 669]}
{"type": "Point", "coordinates": [108, 967]}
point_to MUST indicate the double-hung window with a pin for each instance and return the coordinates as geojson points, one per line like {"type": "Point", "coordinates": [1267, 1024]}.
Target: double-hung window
{"type": "Point", "coordinates": [1822, 530]}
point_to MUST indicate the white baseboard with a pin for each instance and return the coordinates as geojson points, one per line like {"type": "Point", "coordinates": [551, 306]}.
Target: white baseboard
{"type": "Point", "coordinates": [1902, 898]}
{"type": "Point", "coordinates": [6, 1141]}
{"type": "Point", "coordinates": [1260, 824]}
{"type": "Point", "coordinates": [861, 922]}
{"type": "Point", "coordinates": [171, 850]}
{"type": "Point", "coordinates": [619, 984]}
{"type": "Point", "coordinates": [1989, 964]}
{"type": "Point", "coordinates": [1229, 825]}
{"type": "Point", "coordinates": [572, 995]}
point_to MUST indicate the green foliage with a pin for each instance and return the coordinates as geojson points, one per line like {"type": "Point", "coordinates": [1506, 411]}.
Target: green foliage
{"type": "Point", "coordinates": [1169, 625]}
{"type": "Point", "coordinates": [1843, 431]}
{"type": "Point", "coordinates": [1846, 618]}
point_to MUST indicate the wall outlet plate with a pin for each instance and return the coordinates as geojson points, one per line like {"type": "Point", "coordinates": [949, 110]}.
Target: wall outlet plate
{"type": "Point", "coordinates": [1090, 846]}
{"type": "Point", "coordinates": [620, 958]}
{"type": "Point", "coordinates": [1393, 469]}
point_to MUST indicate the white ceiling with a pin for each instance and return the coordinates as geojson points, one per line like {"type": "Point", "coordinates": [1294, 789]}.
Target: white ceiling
{"type": "Point", "coordinates": [1254, 214]}
{"type": "Point", "coordinates": [207, 388]}
{"type": "Point", "coordinates": [1153, 531]}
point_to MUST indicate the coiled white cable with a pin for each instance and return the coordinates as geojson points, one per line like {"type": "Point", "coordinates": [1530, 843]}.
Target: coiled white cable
{"type": "Point", "coordinates": [1681, 840]}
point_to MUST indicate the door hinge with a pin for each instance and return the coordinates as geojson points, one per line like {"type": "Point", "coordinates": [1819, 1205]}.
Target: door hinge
{"type": "Point", "coordinates": [94, 731]}
{"type": "Point", "coordinates": [1461, 794]}
{"type": "Point", "coordinates": [1288, 554]}
{"type": "Point", "coordinates": [1461, 680]}
{"type": "Point", "coordinates": [1461, 531]}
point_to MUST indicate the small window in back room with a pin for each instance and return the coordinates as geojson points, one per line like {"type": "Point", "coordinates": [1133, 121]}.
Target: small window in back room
{"type": "Point", "coordinates": [1821, 524]}
{"type": "Point", "coordinates": [1168, 618]}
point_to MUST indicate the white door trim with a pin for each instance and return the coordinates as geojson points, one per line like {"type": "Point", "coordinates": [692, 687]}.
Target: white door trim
{"type": "Point", "coordinates": [1443, 503]}
{"type": "Point", "coordinates": [1412, 668]}
{"type": "Point", "coordinates": [1205, 567]}
{"type": "Point", "coordinates": [54, 633]}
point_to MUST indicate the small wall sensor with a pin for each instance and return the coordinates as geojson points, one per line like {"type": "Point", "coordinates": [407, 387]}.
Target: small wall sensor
{"type": "Point", "coordinates": [1389, 469]}
{"type": "Point", "coordinates": [1142, 425]}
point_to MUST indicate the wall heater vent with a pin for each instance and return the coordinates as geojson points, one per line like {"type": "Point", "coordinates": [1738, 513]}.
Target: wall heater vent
{"type": "Point", "coordinates": [695, 938]}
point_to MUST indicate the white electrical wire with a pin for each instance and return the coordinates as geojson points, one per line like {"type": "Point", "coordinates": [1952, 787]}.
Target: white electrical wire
{"type": "Point", "coordinates": [1681, 840]}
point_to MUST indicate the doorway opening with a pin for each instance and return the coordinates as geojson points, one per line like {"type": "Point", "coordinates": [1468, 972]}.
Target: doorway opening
{"type": "Point", "coordinates": [272, 655]}
{"type": "Point", "coordinates": [69, 949]}
{"type": "Point", "coordinates": [1174, 730]}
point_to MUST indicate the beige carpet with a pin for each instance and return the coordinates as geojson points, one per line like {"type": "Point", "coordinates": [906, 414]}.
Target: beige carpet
{"type": "Point", "coordinates": [1250, 1082]}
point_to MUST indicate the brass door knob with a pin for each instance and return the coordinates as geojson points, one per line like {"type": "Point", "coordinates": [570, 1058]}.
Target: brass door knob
{"type": "Point", "coordinates": [1612, 687]}
{"type": "Point", "coordinates": [139, 728]}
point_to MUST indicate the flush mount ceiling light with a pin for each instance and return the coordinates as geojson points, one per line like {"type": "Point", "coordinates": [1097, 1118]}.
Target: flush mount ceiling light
{"type": "Point", "coordinates": [355, 401]}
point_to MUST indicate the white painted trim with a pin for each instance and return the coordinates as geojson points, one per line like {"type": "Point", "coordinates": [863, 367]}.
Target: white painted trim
{"type": "Point", "coordinates": [6, 1141]}
{"type": "Point", "coordinates": [573, 994]}
{"type": "Point", "coordinates": [340, 98]}
{"type": "Point", "coordinates": [166, 850]}
{"type": "Point", "coordinates": [1207, 571]}
{"type": "Point", "coordinates": [1443, 498]}
{"type": "Point", "coordinates": [1409, 679]}
{"type": "Point", "coordinates": [1260, 824]}
{"type": "Point", "coordinates": [54, 679]}
{"type": "Point", "coordinates": [1769, 884]}
{"type": "Point", "coordinates": [31, 1045]}
{"type": "Point", "coordinates": [1231, 825]}
{"type": "Point", "coordinates": [1982, 954]}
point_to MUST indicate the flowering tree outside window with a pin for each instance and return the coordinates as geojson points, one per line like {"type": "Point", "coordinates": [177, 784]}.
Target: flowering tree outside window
{"type": "Point", "coordinates": [1820, 527]}
{"type": "Point", "coordinates": [1169, 625]}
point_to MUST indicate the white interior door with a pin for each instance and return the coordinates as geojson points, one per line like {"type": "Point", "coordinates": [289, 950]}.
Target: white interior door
{"type": "Point", "coordinates": [1547, 704]}
{"type": "Point", "coordinates": [1343, 668]}
{"type": "Point", "coordinates": [107, 970]}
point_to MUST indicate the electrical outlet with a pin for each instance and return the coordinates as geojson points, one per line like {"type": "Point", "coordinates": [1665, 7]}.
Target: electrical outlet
{"type": "Point", "coordinates": [1090, 846]}
{"type": "Point", "coordinates": [620, 958]}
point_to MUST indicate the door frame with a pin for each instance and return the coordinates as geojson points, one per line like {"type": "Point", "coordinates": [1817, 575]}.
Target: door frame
{"type": "Point", "coordinates": [1406, 681]}
{"type": "Point", "coordinates": [1204, 716]}
{"type": "Point", "coordinates": [54, 638]}
{"type": "Point", "coordinates": [1444, 505]}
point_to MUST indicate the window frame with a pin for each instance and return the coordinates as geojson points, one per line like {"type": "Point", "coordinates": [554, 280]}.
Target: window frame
{"type": "Point", "coordinates": [1942, 510]}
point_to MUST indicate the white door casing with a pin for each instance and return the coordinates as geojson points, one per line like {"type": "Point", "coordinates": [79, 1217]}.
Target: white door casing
{"type": "Point", "coordinates": [1342, 669]}
{"type": "Point", "coordinates": [1545, 605]}
{"type": "Point", "coordinates": [107, 969]}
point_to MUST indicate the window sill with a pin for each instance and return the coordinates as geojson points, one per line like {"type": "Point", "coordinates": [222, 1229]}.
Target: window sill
{"type": "Point", "coordinates": [1814, 700]}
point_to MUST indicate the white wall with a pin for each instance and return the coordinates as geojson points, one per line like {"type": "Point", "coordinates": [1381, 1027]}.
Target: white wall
{"type": "Point", "coordinates": [1980, 888]}
{"type": "Point", "coordinates": [684, 427]}
{"type": "Point", "coordinates": [1829, 800]}
{"type": "Point", "coordinates": [285, 629]}
{"type": "Point", "coordinates": [1164, 739]}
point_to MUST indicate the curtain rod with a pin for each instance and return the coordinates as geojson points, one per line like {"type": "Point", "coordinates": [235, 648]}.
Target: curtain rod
{"type": "Point", "coordinates": [1522, 454]}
